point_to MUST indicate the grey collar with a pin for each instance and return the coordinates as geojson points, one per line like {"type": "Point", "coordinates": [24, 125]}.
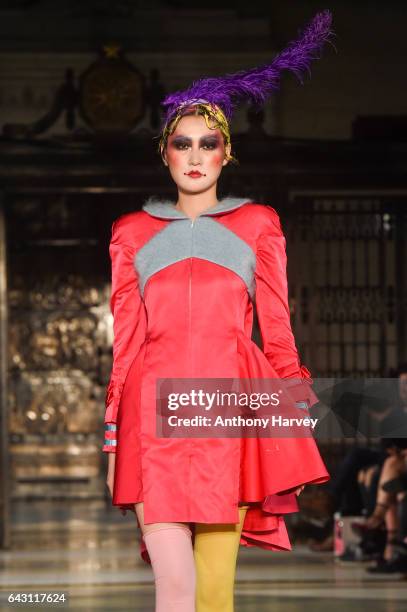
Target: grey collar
{"type": "Point", "coordinates": [165, 209]}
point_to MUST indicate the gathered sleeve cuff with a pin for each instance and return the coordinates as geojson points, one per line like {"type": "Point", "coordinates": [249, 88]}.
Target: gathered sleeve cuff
{"type": "Point", "coordinates": [110, 441]}
{"type": "Point", "coordinates": [273, 310]}
{"type": "Point", "coordinates": [129, 322]}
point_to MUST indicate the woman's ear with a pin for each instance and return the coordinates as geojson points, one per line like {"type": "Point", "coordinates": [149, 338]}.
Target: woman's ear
{"type": "Point", "coordinates": [164, 157]}
{"type": "Point", "coordinates": [228, 148]}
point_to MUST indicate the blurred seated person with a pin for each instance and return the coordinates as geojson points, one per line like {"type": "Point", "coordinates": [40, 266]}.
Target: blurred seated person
{"type": "Point", "coordinates": [352, 490]}
{"type": "Point", "coordinates": [381, 503]}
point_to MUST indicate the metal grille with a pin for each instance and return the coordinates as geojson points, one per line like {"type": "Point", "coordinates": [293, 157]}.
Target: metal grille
{"type": "Point", "coordinates": [347, 274]}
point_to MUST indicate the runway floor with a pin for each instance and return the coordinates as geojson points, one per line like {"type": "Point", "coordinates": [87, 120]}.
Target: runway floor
{"type": "Point", "coordinates": [90, 552]}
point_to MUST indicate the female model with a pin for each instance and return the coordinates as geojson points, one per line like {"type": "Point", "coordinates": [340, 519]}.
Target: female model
{"type": "Point", "coordinates": [186, 277]}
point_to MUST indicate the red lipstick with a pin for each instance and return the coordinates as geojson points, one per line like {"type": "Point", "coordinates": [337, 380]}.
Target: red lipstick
{"type": "Point", "coordinates": [194, 174]}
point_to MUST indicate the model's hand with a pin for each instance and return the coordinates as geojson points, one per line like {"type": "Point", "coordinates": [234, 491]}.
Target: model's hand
{"type": "Point", "coordinates": [110, 472]}
{"type": "Point", "coordinates": [299, 490]}
{"type": "Point", "coordinates": [110, 477]}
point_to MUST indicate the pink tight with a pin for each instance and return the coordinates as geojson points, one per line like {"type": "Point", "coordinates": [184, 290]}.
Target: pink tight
{"type": "Point", "coordinates": [173, 566]}
{"type": "Point", "coordinates": [192, 579]}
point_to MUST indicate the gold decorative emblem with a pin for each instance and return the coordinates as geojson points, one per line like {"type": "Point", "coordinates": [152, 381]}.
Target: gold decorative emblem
{"type": "Point", "coordinates": [112, 92]}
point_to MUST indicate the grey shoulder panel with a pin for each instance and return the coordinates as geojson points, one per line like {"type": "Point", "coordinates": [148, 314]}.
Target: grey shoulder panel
{"type": "Point", "coordinates": [166, 247]}
{"type": "Point", "coordinates": [220, 245]}
{"type": "Point", "coordinates": [207, 239]}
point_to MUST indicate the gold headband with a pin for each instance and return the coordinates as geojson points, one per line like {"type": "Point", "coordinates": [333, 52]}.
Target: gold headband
{"type": "Point", "coordinates": [210, 112]}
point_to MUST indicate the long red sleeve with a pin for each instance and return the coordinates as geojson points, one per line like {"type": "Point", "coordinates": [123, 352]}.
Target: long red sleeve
{"type": "Point", "coordinates": [129, 320]}
{"type": "Point", "coordinates": [273, 310]}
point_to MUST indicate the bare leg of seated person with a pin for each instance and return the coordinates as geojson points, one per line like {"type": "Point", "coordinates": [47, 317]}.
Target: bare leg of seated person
{"type": "Point", "coordinates": [392, 468]}
{"type": "Point", "coordinates": [386, 508]}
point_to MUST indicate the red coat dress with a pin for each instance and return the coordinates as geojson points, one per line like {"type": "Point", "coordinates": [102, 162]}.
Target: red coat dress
{"type": "Point", "coordinates": [183, 295]}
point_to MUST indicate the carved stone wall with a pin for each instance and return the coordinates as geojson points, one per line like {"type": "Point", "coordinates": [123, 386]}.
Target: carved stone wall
{"type": "Point", "coordinates": [60, 335]}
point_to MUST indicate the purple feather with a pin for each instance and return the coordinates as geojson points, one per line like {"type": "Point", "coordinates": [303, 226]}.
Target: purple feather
{"type": "Point", "coordinates": [260, 82]}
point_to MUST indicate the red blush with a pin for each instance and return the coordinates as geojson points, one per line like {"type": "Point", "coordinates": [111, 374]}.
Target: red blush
{"type": "Point", "coordinates": [216, 159]}
{"type": "Point", "coordinates": [174, 157]}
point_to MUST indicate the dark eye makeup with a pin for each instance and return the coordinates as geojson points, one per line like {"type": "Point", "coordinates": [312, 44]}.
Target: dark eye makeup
{"type": "Point", "coordinates": [207, 142]}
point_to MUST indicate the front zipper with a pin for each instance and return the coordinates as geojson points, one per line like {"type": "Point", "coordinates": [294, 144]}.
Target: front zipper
{"type": "Point", "coordinates": [190, 356]}
{"type": "Point", "coordinates": [190, 297]}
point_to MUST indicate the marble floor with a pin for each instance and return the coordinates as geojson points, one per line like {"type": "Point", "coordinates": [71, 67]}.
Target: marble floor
{"type": "Point", "coordinates": [89, 552]}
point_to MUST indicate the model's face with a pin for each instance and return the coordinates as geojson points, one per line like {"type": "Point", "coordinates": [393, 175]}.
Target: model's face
{"type": "Point", "coordinates": [195, 154]}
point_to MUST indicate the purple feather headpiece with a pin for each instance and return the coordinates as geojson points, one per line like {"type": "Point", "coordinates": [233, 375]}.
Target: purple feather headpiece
{"type": "Point", "coordinates": [258, 83]}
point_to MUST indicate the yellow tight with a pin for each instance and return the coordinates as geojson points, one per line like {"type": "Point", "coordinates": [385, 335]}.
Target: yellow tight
{"type": "Point", "coordinates": [215, 552]}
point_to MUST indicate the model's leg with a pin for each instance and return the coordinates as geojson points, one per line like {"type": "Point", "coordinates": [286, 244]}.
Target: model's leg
{"type": "Point", "coordinates": [215, 549]}
{"type": "Point", "coordinates": [169, 546]}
